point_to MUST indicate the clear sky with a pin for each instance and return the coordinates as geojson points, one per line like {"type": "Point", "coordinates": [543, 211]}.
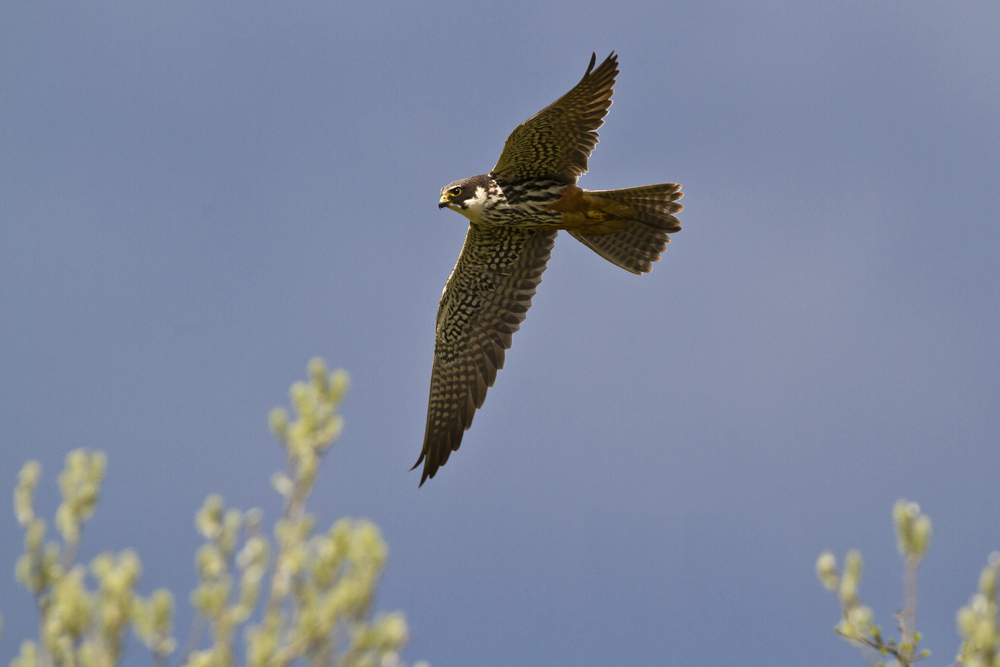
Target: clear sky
{"type": "Point", "coordinates": [197, 197]}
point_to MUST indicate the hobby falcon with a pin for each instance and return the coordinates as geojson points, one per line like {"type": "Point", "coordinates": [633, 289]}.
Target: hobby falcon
{"type": "Point", "coordinates": [515, 213]}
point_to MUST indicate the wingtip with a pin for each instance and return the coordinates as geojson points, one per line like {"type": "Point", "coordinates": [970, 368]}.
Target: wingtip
{"type": "Point", "coordinates": [612, 59]}
{"type": "Point", "coordinates": [424, 476]}
{"type": "Point", "coordinates": [427, 473]}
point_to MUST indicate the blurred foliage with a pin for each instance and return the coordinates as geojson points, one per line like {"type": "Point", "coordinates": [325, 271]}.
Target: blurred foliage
{"type": "Point", "coordinates": [318, 590]}
{"type": "Point", "coordinates": [977, 621]}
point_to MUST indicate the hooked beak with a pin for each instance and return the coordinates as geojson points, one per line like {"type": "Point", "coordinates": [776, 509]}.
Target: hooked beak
{"type": "Point", "coordinates": [443, 202]}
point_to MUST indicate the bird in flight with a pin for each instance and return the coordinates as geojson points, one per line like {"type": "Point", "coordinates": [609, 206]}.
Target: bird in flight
{"type": "Point", "coordinates": [515, 212]}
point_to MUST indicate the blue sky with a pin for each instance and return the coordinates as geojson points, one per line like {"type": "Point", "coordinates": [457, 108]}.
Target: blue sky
{"type": "Point", "coordinates": [197, 197]}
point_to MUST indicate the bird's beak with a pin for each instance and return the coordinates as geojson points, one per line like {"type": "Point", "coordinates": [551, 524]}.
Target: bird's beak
{"type": "Point", "coordinates": [443, 203]}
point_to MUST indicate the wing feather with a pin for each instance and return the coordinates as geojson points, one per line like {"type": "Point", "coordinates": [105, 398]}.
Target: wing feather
{"type": "Point", "coordinates": [484, 302]}
{"type": "Point", "coordinates": [557, 141]}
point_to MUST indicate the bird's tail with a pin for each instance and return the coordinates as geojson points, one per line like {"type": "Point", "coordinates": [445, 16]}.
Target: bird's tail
{"type": "Point", "coordinates": [650, 212]}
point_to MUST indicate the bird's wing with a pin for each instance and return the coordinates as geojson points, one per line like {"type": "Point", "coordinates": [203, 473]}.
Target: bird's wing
{"type": "Point", "coordinates": [484, 302]}
{"type": "Point", "coordinates": [557, 141]}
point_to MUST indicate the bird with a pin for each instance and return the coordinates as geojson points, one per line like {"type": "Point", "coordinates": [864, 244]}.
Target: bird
{"type": "Point", "coordinates": [515, 212]}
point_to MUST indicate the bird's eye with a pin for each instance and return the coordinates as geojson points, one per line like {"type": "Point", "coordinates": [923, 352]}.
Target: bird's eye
{"type": "Point", "coordinates": [454, 192]}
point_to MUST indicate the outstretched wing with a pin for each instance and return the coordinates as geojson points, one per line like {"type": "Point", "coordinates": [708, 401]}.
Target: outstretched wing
{"type": "Point", "coordinates": [557, 141]}
{"type": "Point", "coordinates": [484, 302]}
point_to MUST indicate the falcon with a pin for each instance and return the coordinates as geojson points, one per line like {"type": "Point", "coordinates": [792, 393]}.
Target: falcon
{"type": "Point", "coordinates": [515, 212]}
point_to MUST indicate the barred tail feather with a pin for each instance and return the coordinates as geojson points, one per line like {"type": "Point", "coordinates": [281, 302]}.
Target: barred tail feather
{"type": "Point", "coordinates": [633, 249]}
{"type": "Point", "coordinates": [636, 247]}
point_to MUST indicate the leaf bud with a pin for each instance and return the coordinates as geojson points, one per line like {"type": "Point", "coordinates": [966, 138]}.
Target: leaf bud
{"type": "Point", "coordinates": [282, 484]}
{"type": "Point", "coordinates": [27, 480]}
{"type": "Point", "coordinates": [317, 371]}
{"type": "Point", "coordinates": [988, 582]}
{"type": "Point", "coordinates": [208, 520]}
{"type": "Point", "coordinates": [826, 570]}
{"type": "Point", "coordinates": [340, 382]}
{"type": "Point", "coordinates": [278, 419]}
{"type": "Point", "coordinates": [921, 535]}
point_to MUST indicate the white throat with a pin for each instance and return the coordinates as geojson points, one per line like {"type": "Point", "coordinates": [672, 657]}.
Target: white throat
{"type": "Point", "coordinates": [472, 208]}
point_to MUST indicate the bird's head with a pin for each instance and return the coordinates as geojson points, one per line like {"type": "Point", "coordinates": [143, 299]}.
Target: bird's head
{"type": "Point", "coordinates": [467, 196]}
